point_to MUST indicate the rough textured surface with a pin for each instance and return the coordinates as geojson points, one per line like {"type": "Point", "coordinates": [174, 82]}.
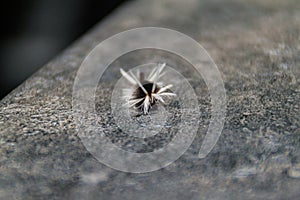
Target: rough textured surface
{"type": "Point", "coordinates": [256, 45]}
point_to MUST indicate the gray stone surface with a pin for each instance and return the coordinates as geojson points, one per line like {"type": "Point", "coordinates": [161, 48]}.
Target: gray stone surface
{"type": "Point", "coordinates": [256, 45]}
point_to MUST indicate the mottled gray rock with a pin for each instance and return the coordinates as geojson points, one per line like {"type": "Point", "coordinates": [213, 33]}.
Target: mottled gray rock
{"type": "Point", "coordinates": [256, 45]}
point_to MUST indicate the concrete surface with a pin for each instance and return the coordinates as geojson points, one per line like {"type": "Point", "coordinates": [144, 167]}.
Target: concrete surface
{"type": "Point", "coordinates": [256, 45]}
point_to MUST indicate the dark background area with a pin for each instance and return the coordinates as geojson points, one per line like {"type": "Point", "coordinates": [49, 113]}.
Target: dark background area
{"type": "Point", "coordinates": [34, 31]}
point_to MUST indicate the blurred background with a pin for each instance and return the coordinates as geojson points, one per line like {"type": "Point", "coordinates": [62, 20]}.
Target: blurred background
{"type": "Point", "coordinates": [34, 31]}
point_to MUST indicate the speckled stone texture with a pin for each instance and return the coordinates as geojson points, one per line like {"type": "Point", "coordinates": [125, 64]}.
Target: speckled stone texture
{"type": "Point", "coordinates": [256, 45]}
